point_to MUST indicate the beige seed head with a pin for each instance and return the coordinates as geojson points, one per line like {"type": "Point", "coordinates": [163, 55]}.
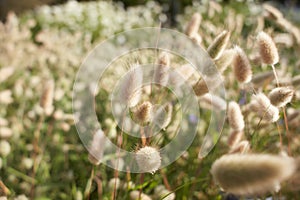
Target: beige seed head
{"type": "Point", "coordinates": [5, 132]}
{"type": "Point", "coordinates": [135, 195]}
{"type": "Point", "coordinates": [214, 101]}
{"type": "Point", "coordinates": [4, 148]}
{"type": "Point", "coordinates": [281, 96]}
{"type": "Point", "coordinates": [234, 138]}
{"type": "Point", "coordinates": [161, 73]}
{"type": "Point", "coordinates": [130, 91]}
{"type": "Point", "coordinates": [181, 75]}
{"type": "Point", "coordinates": [148, 159]}
{"type": "Point", "coordinates": [200, 88]}
{"type": "Point", "coordinates": [46, 101]}
{"type": "Point", "coordinates": [219, 44]}
{"type": "Point", "coordinates": [96, 148]}
{"type": "Point", "coordinates": [163, 115]}
{"type": "Point", "coordinates": [235, 116]}
{"type": "Point", "coordinates": [196, 38]}
{"type": "Point", "coordinates": [193, 26]}
{"type": "Point", "coordinates": [241, 66]}
{"type": "Point", "coordinates": [160, 193]}
{"type": "Point", "coordinates": [142, 114]}
{"type": "Point", "coordinates": [272, 11]}
{"type": "Point", "coordinates": [241, 147]}
{"type": "Point", "coordinates": [296, 81]}
{"type": "Point", "coordinates": [267, 49]}
{"type": "Point", "coordinates": [263, 78]}
{"type": "Point", "coordinates": [262, 106]}
{"type": "Point", "coordinates": [225, 60]}
{"type": "Point", "coordinates": [251, 174]}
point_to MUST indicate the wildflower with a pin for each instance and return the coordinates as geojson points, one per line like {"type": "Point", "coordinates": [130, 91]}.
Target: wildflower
{"type": "Point", "coordinates": [281, 96]}
{"type": "Point", "coordinates": [148, 159]}
{"type": "Point", "coordinates": [246, 174]}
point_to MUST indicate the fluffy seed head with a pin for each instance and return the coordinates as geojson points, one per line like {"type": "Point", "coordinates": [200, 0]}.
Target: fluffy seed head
{"type": "Point", "coordinates": [267, 49]}
{"type": "Point", "coordinates": [114, 183]}
{"type": "Point", "coordinates": [142, 114]}
{"type": "Point", "coordinates": [4, 148]}
{"type": "Point", "coordinates": [163, 115]}
{"type": "Point", "coordinates": [262, 105]}
{"type": "Point", "coordinates": [161, 73]}
{"type": "Point", "coordinates": [196, 38]}
{"type": "Point", "coordinates": [160, 192]}
{"type": "Point", "coordinates": [296, 81]}
{"type": "Point", "coordinates": [130, 91]}
{"type": "Point", "coordinates": [214, 101]}
{"type": "Point", "coordinates": [235, 116]}
{"type": "Point", "coordinates": [219, 44]}
{"type": "Point", "coordinates": [281, 96]}
{"type": "Point", "coordinates": [225, 60]}
{"type": "Point", "coordinates": [148, 159]}
{"type": "Point", "coordinates": [135, 195]}
{"type": "Point", "coordinates": [263, 78]}
{"type": "Point", "coordinates": [46, 101]}
{"type": "Point", "coordinates": [193, 26]}
{"type": "Point", "coordinates": [249, 174]}
{"type": "Point", "coordinates": [241, 66]}
{"type": "Point", "coordinates": [234, 138]}
{"type": "Point", "coordinates": [240, 148]}
{"type": "Point", "coordinates": [97, 147]}
{"type": "Point", "coordinates": [200, 88]}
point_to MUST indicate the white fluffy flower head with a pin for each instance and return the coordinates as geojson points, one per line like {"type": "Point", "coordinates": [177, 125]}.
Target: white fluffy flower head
{"type": "Point", "coordinates": [148, 159]}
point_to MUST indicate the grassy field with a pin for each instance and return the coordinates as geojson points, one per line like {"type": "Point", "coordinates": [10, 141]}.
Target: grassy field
{"type": "Point", "coordinates": [255, 48]}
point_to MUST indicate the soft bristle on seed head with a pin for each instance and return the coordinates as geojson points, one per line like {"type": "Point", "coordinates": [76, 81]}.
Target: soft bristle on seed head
{"type": "Point", "coordinates": [217, 47]}
{"type": "Point", "coordinates": [241, 66]}
{"type": "Point", "coordinates": [193, 26]}
{"type": "Point", "coordinates": [281, 96]}
{"type": "Point", "coordinates": [267, 49]}
{"type": "Point", "coordinates": [251, 174]}
{"type": "Point", "coordinates": [148, 159]}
